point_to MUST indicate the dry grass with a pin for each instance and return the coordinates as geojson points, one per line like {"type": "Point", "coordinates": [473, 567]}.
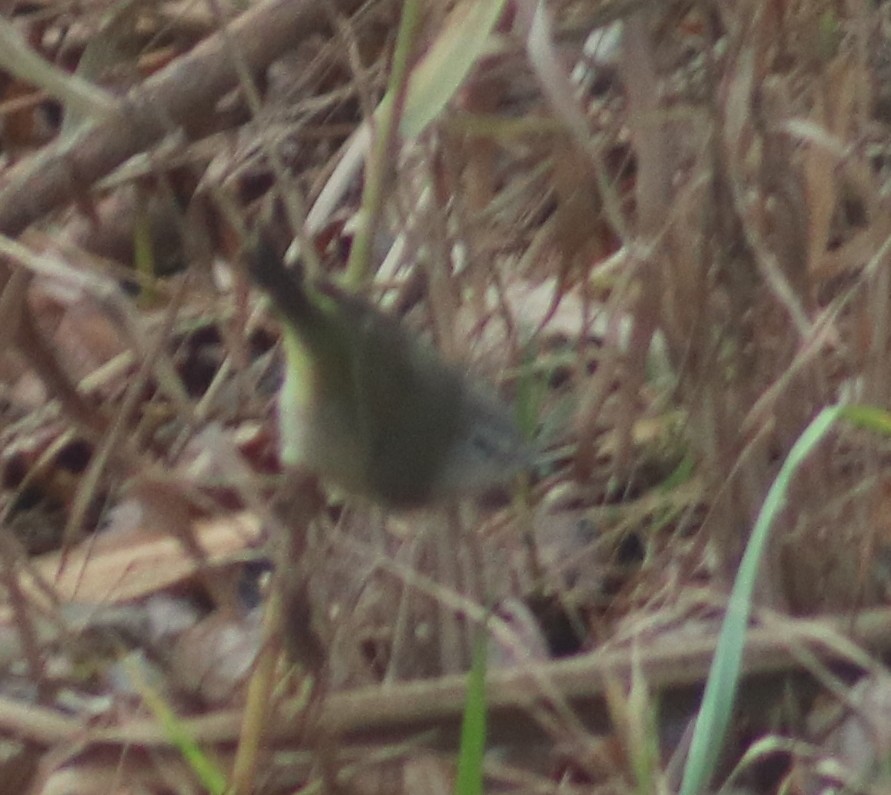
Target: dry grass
{"type": "Point", "coordinates": [670, 256]}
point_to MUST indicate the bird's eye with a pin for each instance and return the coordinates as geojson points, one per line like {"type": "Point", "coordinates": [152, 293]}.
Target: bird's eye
{"type": "Point", "coordinates": [484, 444]}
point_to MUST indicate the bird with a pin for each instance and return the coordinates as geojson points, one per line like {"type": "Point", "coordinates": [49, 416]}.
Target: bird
{"type": "Point", "coordinates": [371, 409]}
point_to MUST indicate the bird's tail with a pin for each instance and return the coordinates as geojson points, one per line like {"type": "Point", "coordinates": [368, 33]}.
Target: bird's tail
{"type": "Point", "coordinates": [285, 286]}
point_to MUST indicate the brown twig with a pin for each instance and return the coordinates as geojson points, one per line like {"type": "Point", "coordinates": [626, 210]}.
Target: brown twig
{"type": "Point", "coordinates": [171, 99]}
{"type": "Point", "coordinates": [514, 695]}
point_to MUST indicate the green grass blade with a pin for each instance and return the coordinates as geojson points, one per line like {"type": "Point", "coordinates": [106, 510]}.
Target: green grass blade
{"type": "Point", "coordinates": [869, 417]}
{"type": "Point", "coordinates": [469, 780]}
{"type": "Point", "coordinates": [212, 778]}
{"type": "Point", "coordinates": [439, 75]}
{"type": "Point", "coordinates": [720, 690]}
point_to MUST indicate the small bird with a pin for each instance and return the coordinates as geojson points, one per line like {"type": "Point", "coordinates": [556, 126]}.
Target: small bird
{"type": "Point", "coordinates": [369, 408]}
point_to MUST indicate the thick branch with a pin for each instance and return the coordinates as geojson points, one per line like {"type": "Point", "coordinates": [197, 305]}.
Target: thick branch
{"type": "Point", "coordinates": [185, 89]}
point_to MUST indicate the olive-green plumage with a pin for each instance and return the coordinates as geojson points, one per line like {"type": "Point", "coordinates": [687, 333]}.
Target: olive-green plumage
{"type": "Point", "coordinates": [369, 408]}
